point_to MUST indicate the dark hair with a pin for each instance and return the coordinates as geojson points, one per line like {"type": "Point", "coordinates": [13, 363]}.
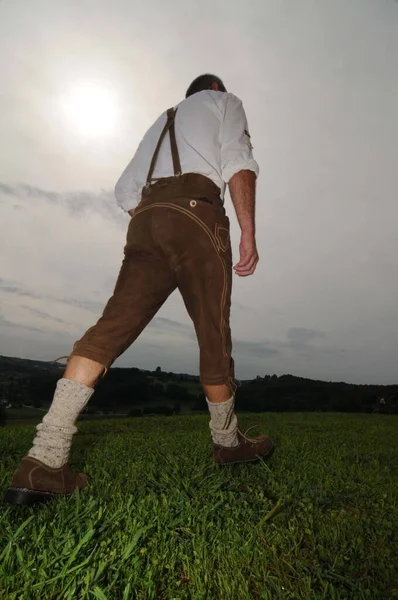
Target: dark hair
{"type": "Point", "coordinates": [204, 82]}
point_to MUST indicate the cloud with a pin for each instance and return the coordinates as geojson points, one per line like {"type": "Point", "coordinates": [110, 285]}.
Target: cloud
{"type": "Point", "coordinates": [15, 287]}
{"type": "Point", "coordinates": [44, 315]}
{"type": "Point", "coordinates": [302, 335]}
{"type": "Point", "coordinates": [165, 330]}
{"type": "Point", "coordinates": [242, 347]}
{"type": "Point", "coordinates": [10, 325]}
{"type": "Point", "coordinates": [78, 204]}
{"type": "Point", "coordinates": [298, 338]}
{"type": "Point", "coordinates": [161, 324]}
{"type": "Point", "coordinates": [259, 349]}
{"type": "Point", "coordinates": [170, 325]}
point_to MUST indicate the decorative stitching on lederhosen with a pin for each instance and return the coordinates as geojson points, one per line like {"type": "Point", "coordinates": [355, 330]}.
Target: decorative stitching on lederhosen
{"type": "Point", "coordinates": [222, 237]}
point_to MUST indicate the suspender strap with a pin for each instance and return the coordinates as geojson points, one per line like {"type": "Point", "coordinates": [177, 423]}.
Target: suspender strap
{"type": "Point", "coordinates": [173, 144]}
{"type": "Point", "coordinates": [169, 127]}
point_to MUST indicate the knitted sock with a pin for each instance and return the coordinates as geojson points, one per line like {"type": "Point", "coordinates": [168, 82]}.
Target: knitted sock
{"type": "Point", "coordinates": [54, 434]}
{"type": "Point", "coordinates": [223, 422]}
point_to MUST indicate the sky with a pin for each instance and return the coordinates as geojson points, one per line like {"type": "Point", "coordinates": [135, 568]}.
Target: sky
{"type": "Point", "coordinates": [318, 80]}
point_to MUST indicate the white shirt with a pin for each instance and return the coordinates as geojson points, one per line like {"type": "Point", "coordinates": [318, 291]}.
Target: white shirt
{"type": "Point", "coordinates": [212, 139]}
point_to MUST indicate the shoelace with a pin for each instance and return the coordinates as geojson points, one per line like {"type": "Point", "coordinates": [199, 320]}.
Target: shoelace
{"type": "Point", "coordinates": [245, 434]}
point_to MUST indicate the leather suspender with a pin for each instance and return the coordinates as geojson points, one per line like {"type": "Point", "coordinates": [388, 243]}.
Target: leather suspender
{"type": "Point", "coordinates": [169, 127]}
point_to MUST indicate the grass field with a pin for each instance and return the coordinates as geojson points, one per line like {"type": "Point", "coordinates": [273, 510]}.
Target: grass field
{"type": "Point", "coordinates": [160, 520]}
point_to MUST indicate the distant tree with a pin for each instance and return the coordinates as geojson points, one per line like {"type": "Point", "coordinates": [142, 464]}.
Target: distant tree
{"type": "Point", "coordinates": [177, 408]}
{"type": "Point", "coordinates": [42, 388]}
{"type": "Point", "coordinates": [135, 412]}
{"type": "Point", "coordinates": [200, 403]}
{"type": "Point", "coordinates": [122, 393]}
{"type": "Point", "coordinates": [91, 410]}
{"type": "Point", "coordinates": [37, 402]}
{"type": "Point", "coordinates": [392, 405]}
{"type": "Point", "coordinates": [177, 393]}
{"type": "Point", "coordinates": [158, 370]}
{"type": "Point", "coordinates": [162, 410]}
{"type": "Point", "coordinates": [3, 417]}
{"type": "Point", "coordinates": [324, 401]}
{"type": "Point", "coordinates": [158, 389]}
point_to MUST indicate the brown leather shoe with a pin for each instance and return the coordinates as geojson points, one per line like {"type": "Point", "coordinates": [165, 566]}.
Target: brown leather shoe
{"type": "Point", "coordinates": [248, 450]}
{"type": "Point", "coordinates": [34, 481]}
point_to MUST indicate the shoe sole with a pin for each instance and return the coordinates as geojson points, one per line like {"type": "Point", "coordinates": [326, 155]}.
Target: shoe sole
{"type": "Point", "coordinates": [26, 497]}
{"type": "Point", "coordinates": [258, 457]}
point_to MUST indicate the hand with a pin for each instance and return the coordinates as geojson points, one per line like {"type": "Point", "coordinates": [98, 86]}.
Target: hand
{"type": "Point", "coordinates": [131, 212]}
{"type": "Point", "coordinates": [248, 256]}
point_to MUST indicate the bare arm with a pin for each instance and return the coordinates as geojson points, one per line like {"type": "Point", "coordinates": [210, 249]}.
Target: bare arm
{"type": "Point", "coordinates": [243, 194]}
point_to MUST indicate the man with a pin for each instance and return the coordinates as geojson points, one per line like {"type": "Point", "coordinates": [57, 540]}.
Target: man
{"type": "Point", "coordinates": [178, 237]}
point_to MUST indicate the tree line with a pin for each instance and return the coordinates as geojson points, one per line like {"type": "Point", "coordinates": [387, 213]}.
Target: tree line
{"type": "Point", "coordinates": [138, 392]}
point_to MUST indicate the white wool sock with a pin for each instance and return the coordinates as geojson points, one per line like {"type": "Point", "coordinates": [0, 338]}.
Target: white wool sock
{"type": "Point", "coordinates": [54, 434]}
{"type": "Point", "coordinates": [223, 422]}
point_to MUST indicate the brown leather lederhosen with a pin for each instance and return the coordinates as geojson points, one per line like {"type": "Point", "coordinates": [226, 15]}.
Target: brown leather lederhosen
{"type": "Point", "coordinates": [178, 237]}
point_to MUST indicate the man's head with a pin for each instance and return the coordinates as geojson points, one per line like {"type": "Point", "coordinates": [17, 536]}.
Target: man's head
{"type": "Point", "coordinates": [205, 82]}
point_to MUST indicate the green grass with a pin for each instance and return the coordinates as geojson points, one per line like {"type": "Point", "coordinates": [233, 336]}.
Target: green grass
{"type": "Point", "coordinates": [160, 520]}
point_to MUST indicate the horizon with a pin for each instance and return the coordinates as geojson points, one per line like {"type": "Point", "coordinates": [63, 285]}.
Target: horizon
{"type": "Point", "coordinates": [81, 85]}
{"type": "Point", "coordinates": [242, 379]}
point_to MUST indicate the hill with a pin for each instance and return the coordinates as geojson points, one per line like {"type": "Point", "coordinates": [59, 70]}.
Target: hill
{"type": "Point", "coordinates": [32, 383]}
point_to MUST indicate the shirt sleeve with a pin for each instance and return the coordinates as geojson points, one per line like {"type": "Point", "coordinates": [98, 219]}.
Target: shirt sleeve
{"type": "Point", "coordinates": [236, 147]}
{"type": "Point", "coordinates": [129, 185]}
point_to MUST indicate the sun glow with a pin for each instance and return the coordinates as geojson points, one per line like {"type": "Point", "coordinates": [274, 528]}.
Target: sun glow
{"type": "Point", "coordinates": [91, 109]}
